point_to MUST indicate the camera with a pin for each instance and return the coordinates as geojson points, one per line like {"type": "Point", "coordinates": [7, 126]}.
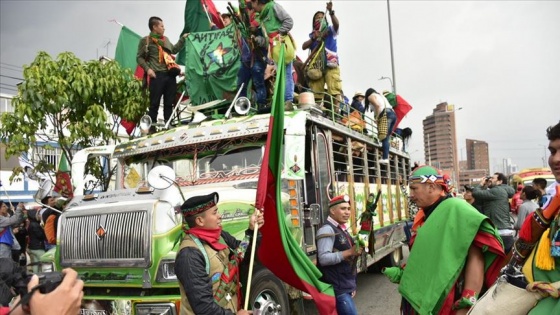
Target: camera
{"type": "Point", "coordinates": [488, 177]}
{"type": "Point", "coordinates": [14, 278]}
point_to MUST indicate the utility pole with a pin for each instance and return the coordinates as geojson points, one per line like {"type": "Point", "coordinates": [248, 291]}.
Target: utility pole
{"type": "Point", "coordinates": [394, 83]}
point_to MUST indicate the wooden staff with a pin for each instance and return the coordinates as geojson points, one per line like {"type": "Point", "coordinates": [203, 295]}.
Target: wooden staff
{"type": "Point", "coordinates": [251, 263]}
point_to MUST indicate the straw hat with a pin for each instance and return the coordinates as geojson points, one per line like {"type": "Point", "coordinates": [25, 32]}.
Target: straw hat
{"type": "Point", "coordinates": [359, 94]}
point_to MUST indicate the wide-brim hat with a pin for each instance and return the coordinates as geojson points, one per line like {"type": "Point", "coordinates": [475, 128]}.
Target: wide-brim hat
{"type": "Point", "coordinates": [199, 204]}
{"type": "Point", "coordinates": [359, 94]}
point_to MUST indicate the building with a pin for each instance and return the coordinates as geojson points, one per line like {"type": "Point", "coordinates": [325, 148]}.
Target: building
{"type": "Point", "coordinates": [477, 155]}
{"type": "Point", "coordinates": [440, 140]}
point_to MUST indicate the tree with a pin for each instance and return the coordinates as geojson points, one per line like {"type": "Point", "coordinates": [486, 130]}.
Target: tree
{"type": "Point", "coordinates": [73, 103]}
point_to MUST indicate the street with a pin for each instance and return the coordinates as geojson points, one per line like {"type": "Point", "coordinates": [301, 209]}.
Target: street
{"type": "Point", "coordinates": [376, 294]}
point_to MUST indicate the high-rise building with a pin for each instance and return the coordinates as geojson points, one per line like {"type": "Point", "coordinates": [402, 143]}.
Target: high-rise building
{"type": "Point", "coordinates": [477, 155]}
{"type": "Point", "coordinates": [440, 141]}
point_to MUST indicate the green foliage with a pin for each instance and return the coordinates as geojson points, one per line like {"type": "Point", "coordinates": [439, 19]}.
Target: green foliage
{"type": "Point", "coordinates": [71, 102]}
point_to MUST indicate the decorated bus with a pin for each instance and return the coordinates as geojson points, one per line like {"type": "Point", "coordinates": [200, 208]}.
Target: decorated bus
{"type": "Point", "coordinates": [123, 242]}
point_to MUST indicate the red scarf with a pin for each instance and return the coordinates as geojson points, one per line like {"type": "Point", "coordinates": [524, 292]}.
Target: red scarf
{"type": "Point", "coordinates": [210, 236]}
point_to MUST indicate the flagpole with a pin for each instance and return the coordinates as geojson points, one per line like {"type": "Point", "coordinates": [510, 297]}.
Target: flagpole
{"type": "Point", "coordinates": [116, 22]}
{"type": "Point", "coordinates": [251, 263]}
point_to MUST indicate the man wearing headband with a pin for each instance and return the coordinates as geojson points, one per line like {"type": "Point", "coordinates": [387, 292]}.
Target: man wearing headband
{"type": "Point", "coordinates": [336, 252]}
{"type": "Point", "coordinates": [448, 252]}
{"type": "Point", "coordinates": [6, 222]}
{"type": "Point", "coordinates": [207, 263]}
{"type": "Point", "coordinates": [327, 34]}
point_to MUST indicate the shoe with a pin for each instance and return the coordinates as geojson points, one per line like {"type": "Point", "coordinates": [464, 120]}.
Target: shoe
{"type": "Point", "coordinates": [384, 161]}
{"type": "Point", "coordinates": [288, 106]}
{"type": "Point", "coordinates": [264, 110]}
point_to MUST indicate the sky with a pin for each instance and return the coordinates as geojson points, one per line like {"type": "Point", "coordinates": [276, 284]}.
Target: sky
{"type": "Point", "coordinates": [499, 61]}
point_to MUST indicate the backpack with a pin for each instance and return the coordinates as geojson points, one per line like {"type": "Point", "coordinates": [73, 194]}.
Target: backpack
{"type": "Point", "coordinates": [391, 97]}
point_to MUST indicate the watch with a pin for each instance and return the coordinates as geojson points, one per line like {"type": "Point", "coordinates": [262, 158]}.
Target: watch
{"type": "Point", "coordinates": [331, 13]}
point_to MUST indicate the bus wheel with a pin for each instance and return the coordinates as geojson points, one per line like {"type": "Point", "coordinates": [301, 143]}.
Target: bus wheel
{"type": "Point", "coordinates": [394, 258]}
{"type": "Point", "coordinates": [268, 294]}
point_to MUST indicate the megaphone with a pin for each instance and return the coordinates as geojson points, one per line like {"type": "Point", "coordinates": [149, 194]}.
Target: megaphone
{"type": "Point", "coordinates": [242, 106]}
{"type": "Point", "coordinates": [145, 123]}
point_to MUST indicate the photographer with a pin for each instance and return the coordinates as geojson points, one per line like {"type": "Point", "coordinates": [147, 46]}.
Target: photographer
{"type": "Point", "coordinates": [64, 299]}
{"type": "Point", "coordinates": [6, 235]}
{"type": "Point", "coordinates": [494, 195]}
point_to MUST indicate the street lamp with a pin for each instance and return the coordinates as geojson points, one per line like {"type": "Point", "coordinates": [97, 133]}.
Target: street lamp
{"type": "Point", "coordinates": [390, 80]}
{"type": "Point", "coordinates": [544, 156]}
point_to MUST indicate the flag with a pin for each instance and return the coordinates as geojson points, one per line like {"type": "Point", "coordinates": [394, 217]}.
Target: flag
{"type": "Point", "coordinates": [279, 251]}
{"type": "Point", "coordinates": [63, 184]}
{"type": "Point", "coordinates": [213, 60]}
{"type": "Point", "coordinates": [196, 20]}
{"type": "Point", "coordinates": [125, 55]}
{"type": "Point", "coordinates": [402, 108]}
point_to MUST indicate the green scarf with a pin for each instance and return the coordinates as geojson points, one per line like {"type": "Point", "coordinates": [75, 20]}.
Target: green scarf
{"type": "Point", "coordinates": [159, 38]}
{"type": "Point", "coordinates": [268, 19]}
{"type": "Point", "coordinates": [439, 253]}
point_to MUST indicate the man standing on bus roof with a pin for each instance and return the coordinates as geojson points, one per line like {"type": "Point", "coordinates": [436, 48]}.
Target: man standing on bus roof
{"type": "Point", "coordinates": [336, 252]}
{"type": "Point", "coordinates": [207, 264]}
{"type": "Point", "coordinates": [322, 32]}
{"type": "Point", "coordinates": [461, 270]}
{"type": "Point", "coordinates": [154, 56]}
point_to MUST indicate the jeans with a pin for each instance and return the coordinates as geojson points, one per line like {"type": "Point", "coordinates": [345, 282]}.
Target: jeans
{"type": "Point", "coordinates": [289, 93]}
{"type": "Point", "coordinates": [391, 120]}
{"type": "Point", "coordinates": [5, 251]}
{"type": "Point", "coordinates": [345, 304]}
{"type": "Point", "coordinates": [162, 85]}
{"type": "Point", "coordinates": [256, 73]}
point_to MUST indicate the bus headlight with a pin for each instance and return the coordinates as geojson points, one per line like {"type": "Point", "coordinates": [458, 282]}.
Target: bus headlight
{"type": "Point", "coordinates": [155, 309]}
{"type": "Point", "coordinates": [166, 271]}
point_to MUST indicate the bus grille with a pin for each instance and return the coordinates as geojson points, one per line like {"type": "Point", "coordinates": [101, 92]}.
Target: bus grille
{"type": "Point", "coordinates": [105, 239]}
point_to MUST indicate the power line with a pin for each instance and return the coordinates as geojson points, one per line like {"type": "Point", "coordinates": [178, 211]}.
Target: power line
{"type": "Point", "coordinates": [10, 77]}
{"type": "Point", "coordinates": [11, 65]}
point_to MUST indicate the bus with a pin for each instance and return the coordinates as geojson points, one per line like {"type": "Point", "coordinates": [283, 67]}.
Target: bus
{"type": "Point", "coordinates": [123, 242]}
{"type": "Point", "coordinates": [525, 176]}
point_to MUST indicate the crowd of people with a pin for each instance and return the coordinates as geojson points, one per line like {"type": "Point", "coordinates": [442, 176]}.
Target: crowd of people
{"type": "Point", "coordinates": [269, 25]}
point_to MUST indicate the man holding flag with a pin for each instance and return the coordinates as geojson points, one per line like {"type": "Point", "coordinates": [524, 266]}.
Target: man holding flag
{"type": "Point", "coordinates": [207, 264]}
{"type": "Point", "coordinates": [278, 250]}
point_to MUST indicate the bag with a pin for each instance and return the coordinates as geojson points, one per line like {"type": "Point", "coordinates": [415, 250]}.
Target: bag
{"type": "Point", "coordinates": [391, 97]}
{"type": "Point", "coordinates": [505, 298]}
{"type": "Point", "coordinates": [289, 51]}
{"type": "Point", "coordinates": [314, 69]}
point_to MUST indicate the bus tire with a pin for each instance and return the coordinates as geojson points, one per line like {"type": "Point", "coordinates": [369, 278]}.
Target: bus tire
{"type": "Point", "coordinates": [392, 260]}
{"type": "Point", "coordinates": [268, 294]}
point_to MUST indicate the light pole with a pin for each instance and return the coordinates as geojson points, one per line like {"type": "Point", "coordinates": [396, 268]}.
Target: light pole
{"type": "Point", "coordinates": [393, 84]}
{"type": "Point", "coordinates": [390, 80]}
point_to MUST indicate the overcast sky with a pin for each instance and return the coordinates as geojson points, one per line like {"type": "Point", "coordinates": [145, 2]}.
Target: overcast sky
{"type": "Point", "coordinates": [498, 60]}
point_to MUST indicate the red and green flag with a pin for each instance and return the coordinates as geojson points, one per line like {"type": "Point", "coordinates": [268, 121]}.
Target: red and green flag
{"type": "Point", "coordinates": [63, 184]}
{"type": "Point", "coordinates": [125, 56]}
{"type": "Point", "coordinates": [279, 251]}
{"type": "Point", "coordinates": [198, 14]}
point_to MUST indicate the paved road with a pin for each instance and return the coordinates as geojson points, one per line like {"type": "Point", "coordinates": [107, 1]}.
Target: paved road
{"type": "Point", "coordinates": [376, 295]}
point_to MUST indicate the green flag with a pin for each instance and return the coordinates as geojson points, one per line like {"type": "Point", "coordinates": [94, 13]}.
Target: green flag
{"type": "Point", "coordinates": [127, 47]}
{"type": "Point", "coordinates": [196, 20]}
{"type": "Point", "coordinates": [212, 64]}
